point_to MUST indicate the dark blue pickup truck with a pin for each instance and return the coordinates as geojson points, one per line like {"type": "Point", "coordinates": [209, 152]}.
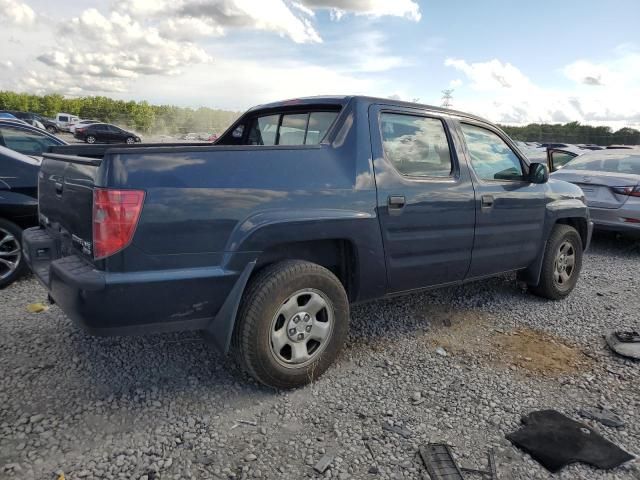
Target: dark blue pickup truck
{"type": "Point", "coordinates": [301, 208]}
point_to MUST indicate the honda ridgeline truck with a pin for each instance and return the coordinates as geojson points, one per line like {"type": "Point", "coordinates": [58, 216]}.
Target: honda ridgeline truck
{"type": "Point", "coordinates": [300, 209]}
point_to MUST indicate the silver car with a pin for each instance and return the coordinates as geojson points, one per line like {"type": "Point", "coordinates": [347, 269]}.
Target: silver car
{"type": "Point", "coordinates": [610, 180]}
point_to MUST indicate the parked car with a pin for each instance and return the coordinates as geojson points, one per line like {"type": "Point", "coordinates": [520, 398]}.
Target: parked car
{"type": "Point", "coordinates": [610, 180]}
{"type": "Point", "coordinates": [105, 133]}
{"type": "Point", "coordinates": [590, 146]}
{"type": "Point", "coordinates": [302, 207]}
{"type": "Point", "coordinates": [34, 119]}
{"type": "Point", "coordinates": [65, 120]}
{"type": "Point", "coordinates": [21, 147]}
{"type": "Point", "coordinates": [554, 145]}
{"type": "Point", "coordinates": [80, 124]}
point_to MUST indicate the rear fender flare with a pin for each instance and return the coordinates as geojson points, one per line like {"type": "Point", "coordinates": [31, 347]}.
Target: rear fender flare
{"type": "Point", "coordinates": [266, 229]}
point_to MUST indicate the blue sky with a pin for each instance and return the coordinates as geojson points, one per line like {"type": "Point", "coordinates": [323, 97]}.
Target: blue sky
{"type": "Point", "coordinates": [513, 62]}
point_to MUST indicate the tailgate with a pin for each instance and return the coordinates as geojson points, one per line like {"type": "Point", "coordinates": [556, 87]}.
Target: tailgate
{"type": "Point", "coordinates": [65, 201]}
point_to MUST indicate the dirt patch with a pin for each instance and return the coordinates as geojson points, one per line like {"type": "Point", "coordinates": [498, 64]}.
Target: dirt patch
{"type": "Point", "coordinates": [539, 352]}
{"type": "Point", "coordinates": [470, 333]}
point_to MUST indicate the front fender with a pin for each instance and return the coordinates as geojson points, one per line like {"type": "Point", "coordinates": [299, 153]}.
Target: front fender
{"type": "Point", "coordinates": [557, 211]}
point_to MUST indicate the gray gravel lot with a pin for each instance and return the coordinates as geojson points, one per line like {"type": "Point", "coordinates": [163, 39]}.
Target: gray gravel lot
{"type": "Point", "coordinates": [169, 406]}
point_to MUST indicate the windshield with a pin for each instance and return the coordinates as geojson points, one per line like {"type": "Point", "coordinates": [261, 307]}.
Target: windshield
{"type": "Point", "coordinates": [612, 163]}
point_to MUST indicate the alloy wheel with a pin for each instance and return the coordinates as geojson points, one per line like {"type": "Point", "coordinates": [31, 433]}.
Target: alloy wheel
{"type": "Point", "coordinates": [564, 263]}
{"type": "Point", "coordinates": [10, 253]}
{"type": "Point", "coordinates": [301, 328]}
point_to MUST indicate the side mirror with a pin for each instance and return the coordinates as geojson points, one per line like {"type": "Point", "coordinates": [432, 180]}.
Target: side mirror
{"type": "Point", "coordinates": [538, 173]}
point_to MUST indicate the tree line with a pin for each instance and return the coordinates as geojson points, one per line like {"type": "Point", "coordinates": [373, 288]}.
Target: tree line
{"type": "Point", "coordinates": [573, 132]}
{"type": "Point", "coordinates": [169, 119]}
{"type": "Point", "coordinates": [140, 116]}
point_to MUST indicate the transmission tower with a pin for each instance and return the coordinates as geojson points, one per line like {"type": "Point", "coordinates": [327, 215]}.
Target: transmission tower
{"type": "Point", "coordinates": [447, 96]}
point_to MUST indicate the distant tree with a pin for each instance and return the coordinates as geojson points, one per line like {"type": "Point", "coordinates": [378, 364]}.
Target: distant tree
{"type": "Point", "coordinates": [572, 132]}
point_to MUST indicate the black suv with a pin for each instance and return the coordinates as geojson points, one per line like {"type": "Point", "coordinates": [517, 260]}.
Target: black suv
{"type": "Point", "coordinates": [29, 117]}
{"type": "Point", "coordinates": [105, 133]}
{"type": "Point", "coordinates": [21, 148]}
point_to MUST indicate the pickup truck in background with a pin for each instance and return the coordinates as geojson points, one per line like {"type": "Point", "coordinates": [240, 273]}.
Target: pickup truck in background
{"type": "Point", "coordinates": [301, 208]}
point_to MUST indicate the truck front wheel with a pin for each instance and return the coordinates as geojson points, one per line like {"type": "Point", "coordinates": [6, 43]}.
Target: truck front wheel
{"type": "Point", "coordinates": [561, 264]}
{"type": "Point", "coordinates": [292, 323]}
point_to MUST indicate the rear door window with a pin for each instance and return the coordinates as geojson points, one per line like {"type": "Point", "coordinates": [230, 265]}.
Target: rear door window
{"type": "Point", "coordinates": [416, 146]}
{"type": "Point", "coordinates": [63, 118]}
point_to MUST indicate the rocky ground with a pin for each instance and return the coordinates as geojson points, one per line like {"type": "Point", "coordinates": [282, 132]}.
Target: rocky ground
{"type": "Point", "coordinates": [460, 365]}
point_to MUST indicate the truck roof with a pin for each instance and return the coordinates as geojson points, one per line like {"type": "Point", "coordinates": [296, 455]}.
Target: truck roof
{"type": "Point", "coordinates": [344, 99]}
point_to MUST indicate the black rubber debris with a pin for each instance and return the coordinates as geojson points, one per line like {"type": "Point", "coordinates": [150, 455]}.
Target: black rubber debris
{"type": "Point", "coordinates": [555, 440]}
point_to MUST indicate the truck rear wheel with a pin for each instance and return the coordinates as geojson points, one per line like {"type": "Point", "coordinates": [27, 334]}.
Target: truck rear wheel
{"type": "Point", "coordinates": [561, 264]}
{"type": "Point", "coordinates": [292, 323]}
{"type": "Point", "coordinates": [12, 264]}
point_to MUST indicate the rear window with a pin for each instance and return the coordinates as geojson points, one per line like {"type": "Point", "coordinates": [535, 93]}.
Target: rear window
{"type": "Point", "coordinates": [613, 163]}
{"type": "Point", "coordinates": [296, 128]}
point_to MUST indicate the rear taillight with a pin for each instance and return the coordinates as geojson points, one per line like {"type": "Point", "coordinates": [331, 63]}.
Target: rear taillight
{"type": "Point", "coordinates": [629, 191]}
{"type": "Point", "coordinates": [115, 217]}
{"type": "Point", "coordinates": [80, 130]}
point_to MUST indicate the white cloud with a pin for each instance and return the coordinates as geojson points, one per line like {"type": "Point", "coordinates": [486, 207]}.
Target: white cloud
{"type": "Point", "coordinates": [42, 83]}
{"type": "Point", "coordinates": [588, 73]}
{"type": "Point", "coordinates": [606, 93]}
{"type": "Point", "coordinates": [620, 71]}
{"type": "Point", "coordinates": [16, 12]}
{"type": "Point", "coordinates": [118, 47]}
{"type": "Point", "coordinates": [189, 29]}
{"type": "Point", "coordinates": [239, 84]}
{"type": "Point", "coordinates": [408, 9]}
{"type": "Point", "coordinates": [369, 53]}
{"type": "Point", "coordinates": [490, 75]}
{"type": "Point", "coordinates": [219, 15]}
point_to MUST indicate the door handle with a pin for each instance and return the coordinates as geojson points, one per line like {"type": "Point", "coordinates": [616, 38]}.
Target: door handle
{"type": "Point", "coordinates": [58, 186]}
{"type": "Point", "coordinates": [396, 204]}
{"type": "Point", "coordinates": [487, 201]}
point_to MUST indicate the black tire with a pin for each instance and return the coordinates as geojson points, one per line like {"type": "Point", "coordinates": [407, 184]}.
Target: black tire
{"type": "Point", "coordinates": [130, 140]}
{"type": "Point", "coordinates": [52, 129]}
{"type": "Point", "coordinates": [11, 276]}
{"type": "Point", "coordinates": [266, 294]}
{"type": "Point", "coordinates": [90, 139]}
{"type": "Point", "coordinates": [550, 285]}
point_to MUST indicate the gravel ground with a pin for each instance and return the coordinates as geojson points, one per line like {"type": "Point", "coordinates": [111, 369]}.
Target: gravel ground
{"type": "Point", "coordinates": [169, 406]}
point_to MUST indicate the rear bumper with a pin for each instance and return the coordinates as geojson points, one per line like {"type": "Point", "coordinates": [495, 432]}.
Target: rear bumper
{"type": "Point", "coordinates": [113, 303]}
{"type": "Point", "coordinates": [617, 219]}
